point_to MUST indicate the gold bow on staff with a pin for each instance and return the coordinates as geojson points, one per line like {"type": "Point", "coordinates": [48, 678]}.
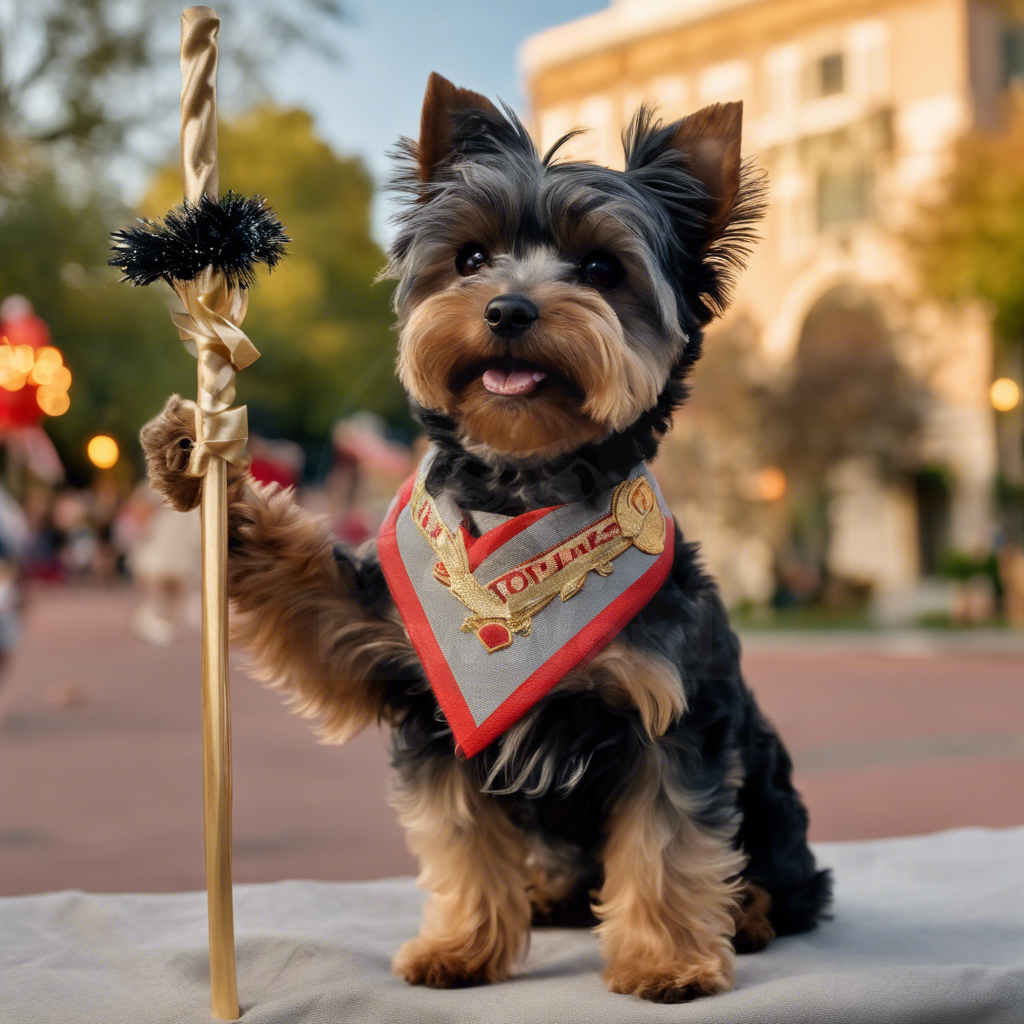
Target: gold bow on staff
{"type": "Point", "coordinates": [207, 250]}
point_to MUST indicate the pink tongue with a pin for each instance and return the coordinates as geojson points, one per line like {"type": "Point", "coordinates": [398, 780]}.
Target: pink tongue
{"type": "Point", "coordinates": [518, 382]}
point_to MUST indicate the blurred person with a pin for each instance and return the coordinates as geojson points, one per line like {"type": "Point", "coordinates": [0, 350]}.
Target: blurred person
{"type": "Point", "coordinates": [367, 467]}
{"type": "Point", "coordinates": [42, 556]}
{"type": "Point", "coordinates": [76, 538]}
{"type": "Point", "coordinates": [798, 583]}
{"type": "Point", "coordinates": [1011, 575]}
{"type": "Point", "coordinates": [164, 558]}
{"type": "Point", "coordinates": [106, 502]}
{"type": "Point", "coordinates": [276, 462]}
{"type": "Point", "coordinates": [350, 522]}
{"type": "Point", "coordinates": [14, 540]}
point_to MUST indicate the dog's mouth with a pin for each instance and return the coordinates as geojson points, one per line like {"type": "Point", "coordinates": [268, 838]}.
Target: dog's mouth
{"type": "Point", "coordinates": [517, 381]}
{"type": "Point", "coordinates": [513, 378]}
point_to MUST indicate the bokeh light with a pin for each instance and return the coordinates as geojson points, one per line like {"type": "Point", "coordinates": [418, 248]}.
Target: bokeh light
{"type": "Point", "coordinates": [103, 451]}
{"type": "Point", "coordinates": [60, 379]}
{"type": "Point", "coordinates": [53, 403]}
{"type": "Point", "coordinates": [771, 483]}
{"type": "Point", "coordinates": [23, 358]}
{"type": "Point", "coordinates": [48, 361]}
{"type": "Point", "coordinates": [1004, 394]}
{"type": "Point", "coordinates": [9, 376]}
{"type": "Point", "coordinates": [22, 365]}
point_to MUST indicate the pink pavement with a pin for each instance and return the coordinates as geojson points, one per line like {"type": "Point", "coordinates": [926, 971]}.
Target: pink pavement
{"type": "Point", "coordinates": [100, 757]}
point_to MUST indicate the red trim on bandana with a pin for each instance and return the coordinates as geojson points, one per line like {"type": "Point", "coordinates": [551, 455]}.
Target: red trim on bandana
{"type": "Point", "coordinates": [478, 548]}
{"type": "Point", "coordinates": [471, 738]}
{"type": "Point", "coordinates": [443, 683]}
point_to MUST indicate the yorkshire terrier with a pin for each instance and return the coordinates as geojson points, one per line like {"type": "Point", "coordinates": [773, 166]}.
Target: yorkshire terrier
{"type": "Point", "coordinates": [549, 313]}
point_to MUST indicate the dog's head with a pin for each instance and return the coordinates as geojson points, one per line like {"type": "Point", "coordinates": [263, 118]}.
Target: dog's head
{"type": "Point", "coordinates": [544, 305]}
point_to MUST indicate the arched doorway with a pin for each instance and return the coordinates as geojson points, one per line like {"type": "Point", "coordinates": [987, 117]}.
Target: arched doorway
{"type": "Point", "coordinates": [848, 416]}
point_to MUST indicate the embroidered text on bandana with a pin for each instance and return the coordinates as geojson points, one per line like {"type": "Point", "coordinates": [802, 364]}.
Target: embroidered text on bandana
{"type": "Point", "coordinates": [498, 619]}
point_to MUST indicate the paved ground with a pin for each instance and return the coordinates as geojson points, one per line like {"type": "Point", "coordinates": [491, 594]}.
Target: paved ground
{"type": "Point", "coordinates": [100, 757]}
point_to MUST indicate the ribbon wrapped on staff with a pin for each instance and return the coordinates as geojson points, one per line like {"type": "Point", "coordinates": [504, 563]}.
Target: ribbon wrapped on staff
{"type": "Point", "coordinates": [207, 252]}
{"type": "Point", "coordinates": [208, 325]}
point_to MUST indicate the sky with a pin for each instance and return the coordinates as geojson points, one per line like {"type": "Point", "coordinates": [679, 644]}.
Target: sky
{"type": "Point", "coordinates": [373, 95]}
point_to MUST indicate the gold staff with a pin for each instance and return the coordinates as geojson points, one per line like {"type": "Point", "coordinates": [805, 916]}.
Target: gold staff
{"type": "Point", "coordinates": [207, 250]}
{"type": "Point", "coordinates": [199, 30]}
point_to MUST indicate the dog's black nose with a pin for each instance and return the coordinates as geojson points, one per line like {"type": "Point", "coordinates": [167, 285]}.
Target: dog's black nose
{"type": "Point", "coordinates": [510, 315]}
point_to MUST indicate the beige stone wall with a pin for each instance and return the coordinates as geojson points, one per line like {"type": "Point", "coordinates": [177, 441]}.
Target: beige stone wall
{"type": "Point", "coordinates": [901, 107]}
{"type": "Point", "coordinates": [916, 73]}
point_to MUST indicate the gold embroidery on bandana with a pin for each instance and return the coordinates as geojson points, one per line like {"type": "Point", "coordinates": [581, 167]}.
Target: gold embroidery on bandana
{"type": "Point", "coordinates": [507, 604]}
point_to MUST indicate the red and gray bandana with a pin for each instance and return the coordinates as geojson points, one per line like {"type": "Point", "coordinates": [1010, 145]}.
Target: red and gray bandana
{"type": "Point", "coordinates": [500, 608]}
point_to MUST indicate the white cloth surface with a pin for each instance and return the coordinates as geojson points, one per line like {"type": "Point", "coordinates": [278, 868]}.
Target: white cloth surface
{"type": "Point", "coordinates": [927, 930]}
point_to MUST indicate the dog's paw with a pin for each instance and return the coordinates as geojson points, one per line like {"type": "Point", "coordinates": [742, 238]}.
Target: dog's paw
{"type": "Point", "coordinates": [167, 442]}
{"type": "Point", "coordinates": [753, 937]}
{"type": "Point", "coordinates": [753, 927]}
{"type": "Point", "coordinates": [672, 983]}
{"type": "Point", "coordinates": [422, 962]}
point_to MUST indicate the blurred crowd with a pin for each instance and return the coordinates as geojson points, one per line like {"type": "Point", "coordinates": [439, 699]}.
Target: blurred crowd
{"type": "Point", "coordinates": [113, 530]}
{"type": "Point", "coordinates": [117, 530]}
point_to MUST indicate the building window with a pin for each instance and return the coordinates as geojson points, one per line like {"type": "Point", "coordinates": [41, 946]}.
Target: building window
{"type": "Point", "coordinates": [831, 73]}
{"type": "Point", "coordinates": [826, 76]}
{"type": "Point", "coordinates": [845, 196]}
{"type": "Point", "coordinates": [1013, 55]}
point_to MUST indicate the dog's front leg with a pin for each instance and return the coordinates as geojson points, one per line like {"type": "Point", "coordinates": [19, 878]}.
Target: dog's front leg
{"type": "Point", "coordinates": [670, 892]}
{"type": "Point", "coordinates": [476, 923]}
{"type": "Point", "coordinates": [300, 608]}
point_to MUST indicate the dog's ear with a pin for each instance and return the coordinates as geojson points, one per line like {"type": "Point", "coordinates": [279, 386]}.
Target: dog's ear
{"type": "Point", "coordinates": [714, 198]}
{"type": "Point", "coordinates": [709, 143]}
{"type": "Point", "coordinates": [441, 102]}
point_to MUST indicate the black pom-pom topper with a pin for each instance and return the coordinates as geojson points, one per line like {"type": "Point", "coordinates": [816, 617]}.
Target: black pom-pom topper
{"type": "Point", "coordinates": [231, 234]}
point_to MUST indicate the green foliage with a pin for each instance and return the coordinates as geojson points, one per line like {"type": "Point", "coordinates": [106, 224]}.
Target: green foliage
{"type": "Point", "coordinates": [73, 74]}
{"type": "Point", "coordinates": [73, 71]}
{"type": "Point", "coordinates": [962, 566]}
{"type": "Point", "coordinates": [114, 340]}
{"type": "Point", "coordinates": [321, 324]}
{"type": "Point", "coordinates": [970, 245]}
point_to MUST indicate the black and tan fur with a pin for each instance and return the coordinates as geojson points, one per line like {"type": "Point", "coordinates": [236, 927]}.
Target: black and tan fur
{"type": "Point", "coordinates": [646, 794]}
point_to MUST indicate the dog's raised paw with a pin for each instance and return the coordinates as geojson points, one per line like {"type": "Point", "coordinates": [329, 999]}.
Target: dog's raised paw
{"type": "Point", "coordinates": [678, 983]}
{"type": "Point", "coordinates": [421, 962]}
{"type": "Point", "coordinates": [167, 441]}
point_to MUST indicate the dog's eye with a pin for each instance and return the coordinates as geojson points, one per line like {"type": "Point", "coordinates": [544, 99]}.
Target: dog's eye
{"type": "Point", "coordinates": [602, 270]}
{"type": "Point", "coordinates": [470, 259]}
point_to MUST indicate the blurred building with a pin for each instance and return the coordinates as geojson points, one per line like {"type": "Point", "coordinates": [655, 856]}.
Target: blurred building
{"type": "Point", "coordinates": [851, 106]}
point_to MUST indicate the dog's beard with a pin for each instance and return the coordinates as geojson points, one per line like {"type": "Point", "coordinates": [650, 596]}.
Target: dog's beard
{"type": "Point", "coordinates": [594, 382]}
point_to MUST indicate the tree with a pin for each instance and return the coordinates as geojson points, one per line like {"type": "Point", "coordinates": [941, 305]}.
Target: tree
{"type": "Point", "coordinates": [322, 325]}
{"type": "Point", "coordinates": [53, 250]}
{"type": "Point", "coordinates": [970, 243]}
{"type": "Point", "coordinates": [72, 71]}
{"type": "Point", "coordinates": [969, 247]}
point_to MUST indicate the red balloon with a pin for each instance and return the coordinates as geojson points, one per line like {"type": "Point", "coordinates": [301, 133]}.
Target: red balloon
{"type": "Point", "coordinates": [29, 330]}
{"type": "Point", "coordinates": [19, 408]}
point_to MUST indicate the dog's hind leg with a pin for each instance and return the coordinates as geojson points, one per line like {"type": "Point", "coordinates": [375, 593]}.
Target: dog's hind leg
{"type": "Point", "coordinates": [774, 834]}
{"type": "Point", "coordinates": [473, 863]}
{"type": "Point", "coordinates": [753, 926]}
{"type": "Point", "coordinates": [670, 893]}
